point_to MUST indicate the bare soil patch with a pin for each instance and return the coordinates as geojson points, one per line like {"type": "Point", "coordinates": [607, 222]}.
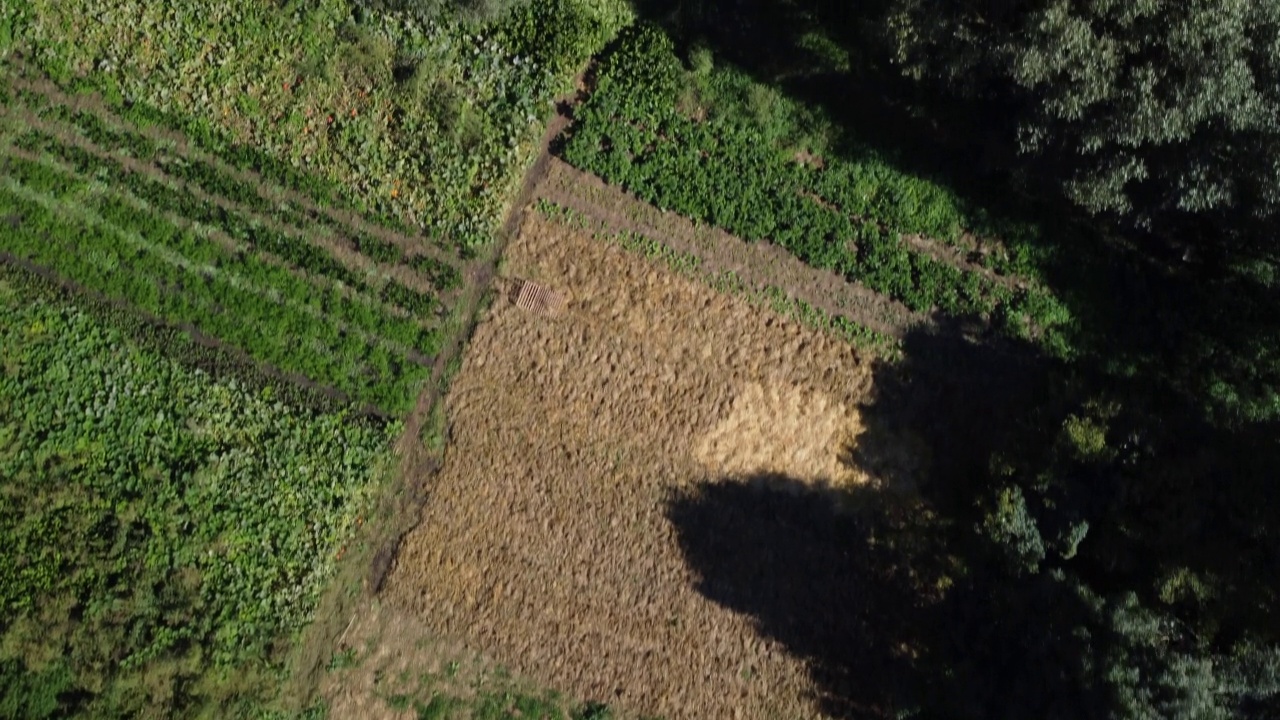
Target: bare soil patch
{"type": "Point", "coordinates": [545, 541]}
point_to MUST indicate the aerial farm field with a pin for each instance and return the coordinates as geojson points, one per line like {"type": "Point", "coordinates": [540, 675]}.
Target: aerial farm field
{"type": "Point", "coordinates": [592, 359]}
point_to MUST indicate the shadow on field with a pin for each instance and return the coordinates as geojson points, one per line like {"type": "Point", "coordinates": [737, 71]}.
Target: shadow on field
{"type": "Point", "coordinates": [1084, 525]}
{"type": "Point", "coordinates": [864, 585]}
{"type": "Point", "coordinates": [915, 605]}
{"type": "Point", "coordinates": [811, 578]}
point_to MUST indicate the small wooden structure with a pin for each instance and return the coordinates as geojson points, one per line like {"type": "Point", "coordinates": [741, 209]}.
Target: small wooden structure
{"type": "Point", "coordinates": [539, 299]}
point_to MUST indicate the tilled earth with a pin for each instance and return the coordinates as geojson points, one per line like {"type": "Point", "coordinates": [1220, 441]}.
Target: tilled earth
{"type": "Point", "coordinates": [546, 541]}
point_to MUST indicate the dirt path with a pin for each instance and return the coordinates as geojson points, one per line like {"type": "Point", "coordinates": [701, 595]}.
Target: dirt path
{"type": "Point", "coordinates": [417, 465]}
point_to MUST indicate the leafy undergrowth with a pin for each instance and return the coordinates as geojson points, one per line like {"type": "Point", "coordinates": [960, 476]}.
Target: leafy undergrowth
{"type": "Point", "coordinates": [715, 146]}
{"type": "Point", "coordinates": [161, 532]}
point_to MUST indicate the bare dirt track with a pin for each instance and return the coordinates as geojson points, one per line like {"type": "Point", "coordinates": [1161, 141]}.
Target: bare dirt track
{"type": "Point", "coordinates": [546, 541]}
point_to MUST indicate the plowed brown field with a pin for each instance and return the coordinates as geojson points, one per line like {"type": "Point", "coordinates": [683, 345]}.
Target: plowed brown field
{"type": "Point", "coordinates": [545, 543]}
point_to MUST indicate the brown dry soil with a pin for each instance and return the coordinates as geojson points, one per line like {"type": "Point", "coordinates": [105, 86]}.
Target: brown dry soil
{"type": "Point", "coordinates": [545, 542]}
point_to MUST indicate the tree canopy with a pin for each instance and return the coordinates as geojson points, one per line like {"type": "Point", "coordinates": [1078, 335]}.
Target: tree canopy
{"type": "Point", "coordinates": [1157, 110]}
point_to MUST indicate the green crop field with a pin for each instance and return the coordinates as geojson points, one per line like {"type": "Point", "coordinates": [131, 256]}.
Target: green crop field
{"type": "Point", "coordinates": [244, 245]}
{"type": "Point", "coordinates": [185, 239]}
{"type": "Point", "coordinates": [162, 529]}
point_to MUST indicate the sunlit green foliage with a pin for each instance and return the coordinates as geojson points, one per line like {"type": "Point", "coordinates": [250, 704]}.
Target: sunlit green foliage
{"type": "Point", "coordinates": [158, 528]}
{"type": "Point", "coordinates": [111, 247]}
{"type": "Point", "coordinates": [425, 120]}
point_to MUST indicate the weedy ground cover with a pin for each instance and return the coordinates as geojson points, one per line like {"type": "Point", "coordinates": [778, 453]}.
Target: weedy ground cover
{"type": "Point", "coordinates": [161, 531]}
{"type": "Point", "coordinates": [424, 123]}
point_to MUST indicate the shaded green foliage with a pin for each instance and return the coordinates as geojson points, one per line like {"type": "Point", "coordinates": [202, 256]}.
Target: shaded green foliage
{"type": "Point", "coordinates": [731, 171]}
{"type": "Point", "coordinates": [160, 529]}
{"type": "Point", "coordinates": [1160, 112]}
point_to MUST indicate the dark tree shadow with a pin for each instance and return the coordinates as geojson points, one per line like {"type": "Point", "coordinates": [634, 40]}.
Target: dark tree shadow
{"type": "Point", "coordinates": [901, 606]}
{"type": "Point", "coordinates": [812, 578]}
{"type": "Point", "coordinates": [863, 601]}
{"type": "Point", "coordinates": [1181, 503]}
{"type": "Point", "coordinates": [860, 584]}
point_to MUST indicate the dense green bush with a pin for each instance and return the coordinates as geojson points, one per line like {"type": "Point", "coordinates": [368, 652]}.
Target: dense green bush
{"type": "Point", "coordinates": [1156, 112]}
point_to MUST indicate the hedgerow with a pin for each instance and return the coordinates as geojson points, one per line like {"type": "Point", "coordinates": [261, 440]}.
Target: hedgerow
{"type": "Point", "coordinates": [158, 528]}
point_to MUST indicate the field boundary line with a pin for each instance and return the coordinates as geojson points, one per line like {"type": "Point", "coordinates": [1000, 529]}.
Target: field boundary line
{"type": "Point", "coordinates": [581, 191]}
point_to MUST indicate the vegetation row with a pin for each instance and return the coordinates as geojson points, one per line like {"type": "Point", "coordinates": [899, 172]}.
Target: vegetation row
{"type": "Point", "coordinates": [845, 217]}
{"type": "Point", "coordinates": [727, 281]}
{"type": "Point", "coordinates": [215, 181]}
{"type": "Point", "coordinates": [139, 257]}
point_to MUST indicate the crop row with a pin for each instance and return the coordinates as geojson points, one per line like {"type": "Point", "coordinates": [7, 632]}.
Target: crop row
{"type": "Point", "coordinates": [209, 178]}
{"type": "Point", "coordinates": [727, 281]}
{"type": "Point", "coordinates": [356, 310]}
{"type": "Point", "coordinates": [442, 275]}
{"type": "Point", "coordinates": [214, 142]}
{"type": "Point", "coordinates": [181, 201]}
{"type": "Point", "coordinates": [159, 268]}
{"type": "Point", "coordinates": [726, 173]}
{"type": "Point", "coordinates": [218, 183]}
